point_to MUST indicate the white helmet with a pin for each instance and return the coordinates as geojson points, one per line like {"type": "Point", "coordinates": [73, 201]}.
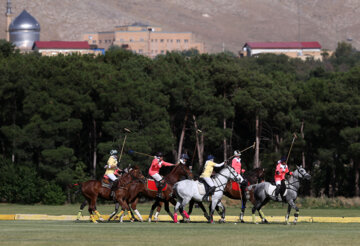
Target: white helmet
{"type": "Point", "coordinates": [237, 153]}
{"type": "Point", "coordinates": [113, 152]}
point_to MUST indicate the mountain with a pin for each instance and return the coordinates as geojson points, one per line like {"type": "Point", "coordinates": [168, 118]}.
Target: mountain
{"type": "Point", "coordinates": [220, 24]}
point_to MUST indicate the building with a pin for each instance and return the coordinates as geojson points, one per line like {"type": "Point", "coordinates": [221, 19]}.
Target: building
{"type": "Point", "coordinates": [23, 31]}
{"type": "Point", "coordinates": [300, 50]}
{"type": "Point", "coordinates": [53, 48]}
{"type": "Point", "coordinates": [144, 39]}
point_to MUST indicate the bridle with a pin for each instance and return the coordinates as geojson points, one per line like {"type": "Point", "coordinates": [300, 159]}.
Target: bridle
{"type": "Point", "coordinates": [290, 185]}
{"type": "Point", "coordinates": [222, 186]}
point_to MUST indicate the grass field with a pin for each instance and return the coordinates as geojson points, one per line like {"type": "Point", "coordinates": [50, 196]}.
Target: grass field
{"type": "Point", "coordinates": [165, 233]}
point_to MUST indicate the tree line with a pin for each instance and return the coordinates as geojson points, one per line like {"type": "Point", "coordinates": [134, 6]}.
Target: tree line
{"type": "Point", "coordinates": [61, 115]}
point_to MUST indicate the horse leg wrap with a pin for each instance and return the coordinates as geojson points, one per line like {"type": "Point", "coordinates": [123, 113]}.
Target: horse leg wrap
{"type": "Point", "coordinates": [262, 215]}
{"type": "Point", "coordinates": [296, 215]}
{"type": "Point", "coordinates": [92, 217]}
{"type": "Point", "coordinates": [242, 216]}
{"type": "Point", "coordinates": [287, 219]}
{"type": "Point", "coordinates": [186, 214]}
{"type": "Point", "coordinates": [253, 218]}
{"type": "Point", "coordinates": [175, 218]}
{"type": "Point", "coordinates": [130, 217]}
{"type": "Point", "coordinates": [121, 213]}
{"type": "Point", "coordinates": [138, 215]}
{"type": "Point", "coordinates": [156, 216]}
{"type": "Point", "coordinates": [98, 215]}
{"type": "Point", "coordinates": [79, 215]}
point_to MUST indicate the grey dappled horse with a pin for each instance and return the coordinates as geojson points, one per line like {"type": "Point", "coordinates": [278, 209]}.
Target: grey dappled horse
{"type": "Point", "coordinates": [186, 190]}
{"type": "Point", "coordinates": [264, 192]}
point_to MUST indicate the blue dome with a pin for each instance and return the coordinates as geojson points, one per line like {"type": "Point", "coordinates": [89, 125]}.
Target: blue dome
{"type": "Point", "coordinates": [24, 22]}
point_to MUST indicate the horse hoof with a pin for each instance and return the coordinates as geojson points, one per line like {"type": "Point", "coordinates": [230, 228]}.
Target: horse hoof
{"type": "Point", "coordinates": [221, 221]}
{"type": "Point", "coordinates": [242, 221]}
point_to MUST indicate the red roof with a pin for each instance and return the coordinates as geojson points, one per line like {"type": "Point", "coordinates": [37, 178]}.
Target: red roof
{"type": "Point", "coordinates": [61, 45]}
{"type": "Point", "coordinates": [283, 45]}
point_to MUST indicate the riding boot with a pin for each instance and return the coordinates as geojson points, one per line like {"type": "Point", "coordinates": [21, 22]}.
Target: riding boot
{"type": "Point", "coordinates": [209, 192]}
{"type": "Point", "coordinates": [114, 188]}
{"type": "Point", "coordinates": [277, 191]}
{"type": "Point", "coordinates": [160, 185]}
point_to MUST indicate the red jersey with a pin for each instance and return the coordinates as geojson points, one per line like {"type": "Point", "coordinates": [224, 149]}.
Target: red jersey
{"type": "Point", "coordinates": [156, 165]}
{"type": "Point", "coordinates": [236, 164]}
{"type": "Point", "coordinates": [282, 169]}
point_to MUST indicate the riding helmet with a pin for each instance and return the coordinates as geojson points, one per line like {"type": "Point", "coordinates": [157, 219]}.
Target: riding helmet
{"type": "Point", "coordinates": [184, 156]}
{"type": "Point", "coordinates": [113, 152]}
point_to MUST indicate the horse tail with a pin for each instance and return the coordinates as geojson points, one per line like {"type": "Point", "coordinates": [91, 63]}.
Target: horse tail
{"type": "Point", "coordinates": [175, 193]}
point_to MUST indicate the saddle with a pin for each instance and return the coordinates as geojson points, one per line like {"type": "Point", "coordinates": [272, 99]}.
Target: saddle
{"type": "Point", "coordinates": [151, 185]}
{"type": "Point", "coordinates": [272, 188]}
{"type": "Point", "coordinates": [235, 186]}
{"type": "Point", "coordinates": [205, 186]}
{"type": "Point", "coordinates": [106, 182]}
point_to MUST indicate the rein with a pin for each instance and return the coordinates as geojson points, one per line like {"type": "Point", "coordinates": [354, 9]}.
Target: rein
{"type": "Point", "coordinates": [133, 178]}
{"type": "Point", "coordinates": [172, 176]}
{"type": "Point", "coordinates": [296, 181]}
{"type": "Point", "coordinates": [223, 185]}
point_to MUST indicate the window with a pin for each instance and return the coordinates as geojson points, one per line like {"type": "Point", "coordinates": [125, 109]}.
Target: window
{"type": "Point", "coordinates": [140, 51]}
{"type": "Point", "coordinates": [94, 41]}
{"type": "Point", "coordinates": [177, 40]}
{"type": "Point", "coordinates": [161, 40]}
{"type": "Point", "coordinates": [100, 41]}
{"type": "Point", "coordinates": [131, 40]}
{"type": "Point", "coordinates": [121, 40]}
{"type": "Point", "coordinates": [90, 37]}
{"type": "Point", "coordinates": [141, 40]}
{"type": "Point", "coordinates": [186, 40]}
{"type": "Point", "coordinates": [162, 51]}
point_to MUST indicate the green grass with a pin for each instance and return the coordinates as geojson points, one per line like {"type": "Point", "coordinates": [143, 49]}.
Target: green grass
{"type": "Point", "coordinates": [165, 233]}
{"type": "Point", "coordinates": [86, 233]}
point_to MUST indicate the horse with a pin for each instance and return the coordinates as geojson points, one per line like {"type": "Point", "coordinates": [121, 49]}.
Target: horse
{"type": "Point", "coordinates": [187, 190]}
{"type": "Point", "coordinates": [136, 188]}
{"type": "Point", "coordinates": [234, 191]}
{"type": "Point", "coordinates": [264, 192]}
{"type": "Point", "coordinates": [92, 189]}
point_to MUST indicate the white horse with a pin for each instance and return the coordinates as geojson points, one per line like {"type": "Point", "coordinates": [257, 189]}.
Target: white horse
{"type": "Point", "coordinates": [186, 190]}
{"type": "Point", "coordinates": [264, 192]}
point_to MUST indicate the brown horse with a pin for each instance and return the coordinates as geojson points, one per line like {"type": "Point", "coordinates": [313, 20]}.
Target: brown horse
{"type": "Point", "coordinates": [92, 189]}
{"type": "Point", "coordinates": [239, 193]}
{"type": "Point", "coordinates": [136, 188]}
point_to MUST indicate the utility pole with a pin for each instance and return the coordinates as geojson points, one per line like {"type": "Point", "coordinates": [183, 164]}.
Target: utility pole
{"type": "Point", "coordinates": [149, 41]}
{"type": "Point", "coordinates": [8, 16]}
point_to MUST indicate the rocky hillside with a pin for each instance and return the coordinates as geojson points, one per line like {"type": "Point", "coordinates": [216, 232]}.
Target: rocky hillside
{"type": "Point", "coordinates": [220, 24]}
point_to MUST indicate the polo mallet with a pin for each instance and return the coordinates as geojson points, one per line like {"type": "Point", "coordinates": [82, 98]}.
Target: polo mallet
{"type": "Point", "coordinates": [287, 158]}
{"type": "Point", "coordinates": [252, 146]}
{"type": "Point", "coordinates": [122, 148]}
{"type": "Point", "coordinates": [139, 153]}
